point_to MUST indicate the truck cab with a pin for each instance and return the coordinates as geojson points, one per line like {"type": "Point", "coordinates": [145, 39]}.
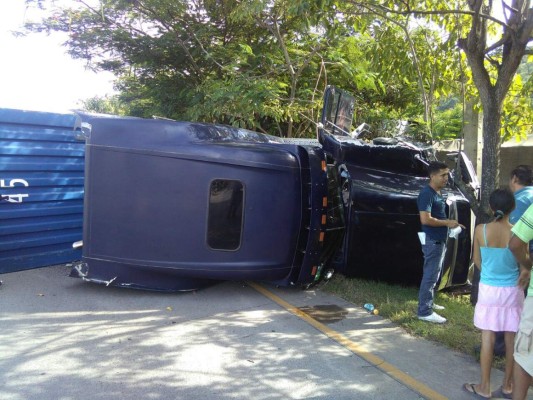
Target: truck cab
{"type": "Point", "coordinates": [178, 205]}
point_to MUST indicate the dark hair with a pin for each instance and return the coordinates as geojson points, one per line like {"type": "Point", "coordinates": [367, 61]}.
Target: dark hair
{"type": "Point", "coordinates": [524, 174]}
{"type": "Point", "coordinates": [435, 166]}
{"type": "Point", "coordinates": [502, 202]}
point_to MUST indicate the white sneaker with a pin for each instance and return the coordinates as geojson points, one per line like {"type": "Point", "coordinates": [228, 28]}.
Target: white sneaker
{"type": "Point", "coordinates": [437, 307]}
{"type": "Point", "coordinates": [434, 317]}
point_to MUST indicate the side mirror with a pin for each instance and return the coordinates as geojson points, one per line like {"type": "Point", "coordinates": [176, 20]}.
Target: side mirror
{"type": "Point", "coordinates": [337, 112]}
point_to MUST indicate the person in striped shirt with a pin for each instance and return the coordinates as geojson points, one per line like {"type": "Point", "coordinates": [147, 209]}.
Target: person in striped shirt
{"type": "Point", "coordinates": [523, 348]}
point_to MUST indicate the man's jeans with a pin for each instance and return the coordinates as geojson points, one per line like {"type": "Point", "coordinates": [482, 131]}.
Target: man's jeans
{"type": "Point", "coordinates": [432, 266]}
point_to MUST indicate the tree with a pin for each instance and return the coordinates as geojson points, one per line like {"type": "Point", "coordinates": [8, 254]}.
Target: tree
{"type": "Point", "coordinates": [423, 66]}
{"type": "Point", "coordinates": [493, 66]}
{"type": "Point", "coordinates": [484, 62]}
{"type": "Point", "coordinates": [256, 64]}
{"type": "Point", "coordinates": [104, 105]}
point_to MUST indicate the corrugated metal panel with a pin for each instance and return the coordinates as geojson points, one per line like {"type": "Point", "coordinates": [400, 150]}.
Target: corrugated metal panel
{"type": "Point", "coordinates": [42, 175]}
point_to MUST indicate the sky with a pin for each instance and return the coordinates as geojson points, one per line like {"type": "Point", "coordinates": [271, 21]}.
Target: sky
{"type": "Point", "coordinates": [36, 73]}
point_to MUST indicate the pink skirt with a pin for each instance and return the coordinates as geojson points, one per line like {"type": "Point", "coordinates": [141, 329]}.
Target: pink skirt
{"type": "Point", "coordinates": [498, 309]}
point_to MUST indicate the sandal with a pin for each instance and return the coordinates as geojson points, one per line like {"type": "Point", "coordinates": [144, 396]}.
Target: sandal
{"type": "Point", "coordinates": [471, 388]}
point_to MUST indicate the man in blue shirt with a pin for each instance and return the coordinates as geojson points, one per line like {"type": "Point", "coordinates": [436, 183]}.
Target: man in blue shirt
{"type": "Point", "coordinates": [521, 184]}
{"type": "Point", "coordinates": [435, 224]}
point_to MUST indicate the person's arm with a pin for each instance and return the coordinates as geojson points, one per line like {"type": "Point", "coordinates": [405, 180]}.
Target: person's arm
{"type": "Point", "coordinates": [427, 219]}
{"type": "Point", "coordinates": [524, 277]}
{"type": "Point", "coordinates": [476, 255]}
{"type": "Point", "coordinates": [520, 251]}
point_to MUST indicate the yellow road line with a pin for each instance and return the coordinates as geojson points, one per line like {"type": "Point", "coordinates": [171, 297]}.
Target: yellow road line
{"type": "Point", "coordinates": [376, 361]}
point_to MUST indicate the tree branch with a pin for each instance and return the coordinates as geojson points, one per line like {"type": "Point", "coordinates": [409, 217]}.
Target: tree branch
{"type": "Point", "coordinates": [499, 43]}
{"type": "Point", "coordinates": [412, 49]}
{"type": "Point", "coordinates": [432, 12]}
{"type": "Point", "coordinates": [462, 12]}
{"type": "Point", "coordinates": [169, 28]}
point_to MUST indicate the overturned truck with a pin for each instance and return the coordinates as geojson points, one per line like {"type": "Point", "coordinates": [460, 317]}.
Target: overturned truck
{"type": "Point", "coordinates": [175, 206]}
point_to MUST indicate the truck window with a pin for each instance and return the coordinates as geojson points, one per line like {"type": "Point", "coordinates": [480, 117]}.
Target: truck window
{"type": "Point", "coordinates": [225, 215]}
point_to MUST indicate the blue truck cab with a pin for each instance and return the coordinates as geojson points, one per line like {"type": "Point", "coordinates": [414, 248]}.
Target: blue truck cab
{"type": "Point", "coordinates": [175, 205]}
{"type": "Point", "coordinates": [178, 205]}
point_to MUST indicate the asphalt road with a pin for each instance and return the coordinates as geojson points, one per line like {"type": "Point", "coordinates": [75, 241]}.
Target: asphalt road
{"type": "Point", "coordinates": [62, 338]}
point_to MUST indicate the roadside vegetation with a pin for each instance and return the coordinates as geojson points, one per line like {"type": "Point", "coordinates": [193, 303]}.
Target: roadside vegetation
{"type": "Point", "coordinates": [399, 304]}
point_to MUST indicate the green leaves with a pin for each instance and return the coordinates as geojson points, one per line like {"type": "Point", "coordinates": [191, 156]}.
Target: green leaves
{"type": "Point", "coordinates": [517, 111]}
{"type": "Point", "coordinates": [264, 64]}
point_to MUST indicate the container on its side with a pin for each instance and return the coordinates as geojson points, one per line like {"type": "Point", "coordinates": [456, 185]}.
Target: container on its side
{"type": "Point", "coordinates": [41, 184]}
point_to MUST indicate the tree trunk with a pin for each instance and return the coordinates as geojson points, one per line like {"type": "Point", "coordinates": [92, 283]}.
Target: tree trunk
{"type": "Point", "coordinates": [490, 161]}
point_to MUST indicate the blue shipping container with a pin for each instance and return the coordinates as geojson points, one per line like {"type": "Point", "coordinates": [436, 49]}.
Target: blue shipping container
{"type": "Point", "coordinates": [41, 183]}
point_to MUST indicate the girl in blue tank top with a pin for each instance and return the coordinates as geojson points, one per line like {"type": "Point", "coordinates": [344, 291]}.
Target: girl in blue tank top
{"type": "Point", "coordinates": [500, 298]}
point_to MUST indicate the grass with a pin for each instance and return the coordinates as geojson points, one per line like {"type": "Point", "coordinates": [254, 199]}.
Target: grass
{"type": "Point", "coordinates": [399, 304]}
